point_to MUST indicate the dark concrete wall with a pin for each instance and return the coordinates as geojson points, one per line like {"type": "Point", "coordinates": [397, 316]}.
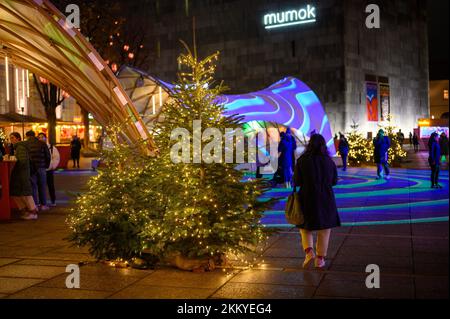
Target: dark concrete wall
{"type": "Point", "coordinates": [325, 55]}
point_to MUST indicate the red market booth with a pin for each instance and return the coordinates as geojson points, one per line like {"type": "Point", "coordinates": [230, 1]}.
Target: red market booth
{"type": "Point", "coordinates": [5, 202]}
{"type": "Point", "coordinates": [64, 155]}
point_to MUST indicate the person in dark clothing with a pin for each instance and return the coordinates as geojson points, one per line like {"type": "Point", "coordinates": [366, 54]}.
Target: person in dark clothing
{"type": "Point", "coordinates": [39, 162]}
{"type": "Point", "coordinates": [20, 183]}
{"type": "Point", "coordinates": [286, 155]}
{"type": "Point", "coordinates": [316, 174]}
{"type": "Point", "coordinates": [434, 159]}
{"type": "Point", "coordinates": [75, 148]}
{"type": "Point", "coordinates": [344, 148]}
{"type": "Point", "coordinates": [410, 138]}
{"type": "Point", "coordinates": [2, 148]}
{"type": "Point", "coordinates": [54, 162]}
{"type": "Point", "coordinates": [416, 143]}
{"type": "Point", "coordinates": [381, 148]}
{"type": "Point", "coordinates": [443, 143]}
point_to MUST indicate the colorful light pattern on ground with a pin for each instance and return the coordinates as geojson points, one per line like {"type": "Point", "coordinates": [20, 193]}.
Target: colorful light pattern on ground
{"type": "Point", "coordinates": [405, 198]}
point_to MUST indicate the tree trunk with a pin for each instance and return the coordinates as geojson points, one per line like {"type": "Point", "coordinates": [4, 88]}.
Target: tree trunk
{"type": "Point", "coordinates": [50, 111]}
{"type": "Point", "coordinates": [85, 115]}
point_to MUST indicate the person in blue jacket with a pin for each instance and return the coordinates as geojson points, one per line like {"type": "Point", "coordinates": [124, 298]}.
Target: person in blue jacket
{"type": "Point", "coordinates": [286, 153]}
{"type": "Point", "coordinates": [381, 145]}
{"type": "Point", "coordinates": [434, 159]}
{"type": "Point", "coordinates": [343, 150]}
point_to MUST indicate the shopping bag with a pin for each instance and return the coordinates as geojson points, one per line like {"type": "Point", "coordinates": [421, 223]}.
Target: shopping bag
{"type": "Point", "coordinates": [293, 210]}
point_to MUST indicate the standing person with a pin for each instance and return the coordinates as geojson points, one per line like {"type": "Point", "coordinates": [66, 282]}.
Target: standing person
{"type": "Point", "coordinates": [20, 183]}
{"type": "Point", "coordinates": [410, 138]}
{"type": "Point", "coordinates": [54, 162]}
{"type": "Point", "coordinates": [416, 143]}
{"type": "Point", "coordinates": [434, 159]}
{"type": "Point", "coordinates": [75, 148]}
{"type": "Point", "coordinates": [401, 137]}
{"type": "Point", "coordinates": [344, 148]}
{"type": "Point", "coordinates": [381, 149]}
{"type": "Point", "coordinates": [316, 174]}
{"type": "Point", "coordinates": [443, 143]}
{"type": "Point", "coordinates": [39, 162]}
{"type": "Point", "coordinates": [286, 154]}
{"type": "Point", "coordinates": [2, 148]}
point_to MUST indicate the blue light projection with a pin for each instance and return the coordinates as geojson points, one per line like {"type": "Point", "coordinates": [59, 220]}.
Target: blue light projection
{"type": "Point", "coordinates": [361, 200]}
{"type": "Point", "coordinates": [288, 102]}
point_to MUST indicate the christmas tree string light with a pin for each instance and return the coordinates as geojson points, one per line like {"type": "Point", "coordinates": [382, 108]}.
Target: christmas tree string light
{"type": "Point", "coordinates": [149, 206]}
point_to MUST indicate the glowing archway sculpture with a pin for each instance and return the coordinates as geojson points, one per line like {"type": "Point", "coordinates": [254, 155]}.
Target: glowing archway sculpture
{"type": "Point", "coordinates": [288, 102]}
{"type": "Point", "coordinates": [34, 35]}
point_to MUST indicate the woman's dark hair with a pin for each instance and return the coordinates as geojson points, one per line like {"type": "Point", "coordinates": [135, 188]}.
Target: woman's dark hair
{"type": "Point", "coordinates": [317, 146]}
{"type": "Point", "coordinates": [43, 134]}
{"type": "Point", "coordinates": [16, 135]}
{"type": "Point", "coordinates": [432, 139]}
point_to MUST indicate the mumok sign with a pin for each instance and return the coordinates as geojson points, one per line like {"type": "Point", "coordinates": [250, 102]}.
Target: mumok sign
{"type": "Point", "coordinates": [290, 17]}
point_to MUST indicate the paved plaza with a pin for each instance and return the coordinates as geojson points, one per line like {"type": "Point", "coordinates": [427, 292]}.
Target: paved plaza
{"type": "Point", "coordinates": [401, 225]}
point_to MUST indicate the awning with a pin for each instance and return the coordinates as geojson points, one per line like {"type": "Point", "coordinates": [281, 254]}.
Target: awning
{"type": "Point", "coordinates": [19, 118]}
{"type": "Point", "coordinates": [34, 35]}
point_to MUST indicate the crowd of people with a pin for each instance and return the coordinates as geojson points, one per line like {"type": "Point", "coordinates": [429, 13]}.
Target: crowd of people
{"type": "Point", "coordinates": [33, 173]}
{"type": "Point", "coordinates": [316, 173]}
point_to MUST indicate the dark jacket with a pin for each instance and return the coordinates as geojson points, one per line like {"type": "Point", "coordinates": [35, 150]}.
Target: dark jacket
{"type": "Point", "coordinates": [39, 154]}
{"type": "Point", "coordinates": [316, 175]}
{"type": "Point", "coordinates": [287, 149]}
{"type": "Point", "coordinates": [381, 149]}
{"type": "Point", "coordinates": [343, 147]}
{"type": "Point", "coordinates": [20, 183]}
{"type": "Point", "coordinates": [2, 148]}
{"type": "Point", "coordinates": [75, 148]}
{"type": "Point", "coordinates": [434, 154]}
{"type": "Point", "coordinates": [443, 143]}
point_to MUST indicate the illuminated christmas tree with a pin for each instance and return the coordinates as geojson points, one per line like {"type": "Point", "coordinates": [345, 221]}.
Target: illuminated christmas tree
{"type": "Point", "coordinates": [396, 152]}
{"type": "Point", "coordinates": [361, 149]}
{"type": "Point", "coordinates": [172, 210]}
{"type": "Point", "coordinates": [110, 216]}
{"type": "Point", "coordinates": [206, 209]}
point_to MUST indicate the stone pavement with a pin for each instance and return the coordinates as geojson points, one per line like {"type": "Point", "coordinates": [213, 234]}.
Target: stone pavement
{"type": "Point", "coordinates": [413, 260]}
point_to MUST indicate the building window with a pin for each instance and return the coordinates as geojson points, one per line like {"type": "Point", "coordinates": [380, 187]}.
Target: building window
{"type": "Point", "coordinates": [446, 95]}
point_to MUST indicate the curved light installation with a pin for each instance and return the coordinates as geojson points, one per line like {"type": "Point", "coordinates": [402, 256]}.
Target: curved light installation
{"type": "Point", "coordinates": [36, 36]}
{"type": "Point", "coordinates": [288, 102]}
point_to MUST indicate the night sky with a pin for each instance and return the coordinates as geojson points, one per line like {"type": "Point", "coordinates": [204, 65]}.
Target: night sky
{"type": "Point", "coordinates": [438, 33]}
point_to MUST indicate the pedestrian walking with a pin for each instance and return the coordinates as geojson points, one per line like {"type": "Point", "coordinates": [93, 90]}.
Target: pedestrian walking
{"type": "Point", "coordinates": [20, 183]}
{"type": "Point", "coordinates": [316, 174]}
{"type": "Point", "coordinates": [39, 162]}
{"type": "Point", "coordinates": [286, 154]}
{"type": "Point", "coordinates": [344, 149]}
{"type": "Point", "coordinates": [381, 154]}
{"type": "Point", "coordinates": [75, 149]}
{"type": "Point", "coordinates": [54, 162]}
{"type": "Point", "coordinates": [416, 143]}
{"type": "Point", "coordinates": [434, 159]}
{"type": "Point", "coordinates": [443, 143]}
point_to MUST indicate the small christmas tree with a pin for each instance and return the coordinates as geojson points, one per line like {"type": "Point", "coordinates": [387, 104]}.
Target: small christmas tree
{"type": "Point", "coordinates": [396, 152]}
{"type": "Point", "coordinates": [361, 149]}
{"type": "Point", "coordinates": [110, 215]}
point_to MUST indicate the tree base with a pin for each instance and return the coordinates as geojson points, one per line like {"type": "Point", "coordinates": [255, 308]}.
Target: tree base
{"type": "Point", "coordinates": [195, 264]}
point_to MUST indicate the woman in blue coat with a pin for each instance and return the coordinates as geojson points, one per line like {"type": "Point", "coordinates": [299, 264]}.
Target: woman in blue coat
{"type": "Point", "coordinates": [316, 174]}
{"type": "Point", "coordinates": [434, 159]}
{"type": "Point", "coordinates": [286, 153]}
